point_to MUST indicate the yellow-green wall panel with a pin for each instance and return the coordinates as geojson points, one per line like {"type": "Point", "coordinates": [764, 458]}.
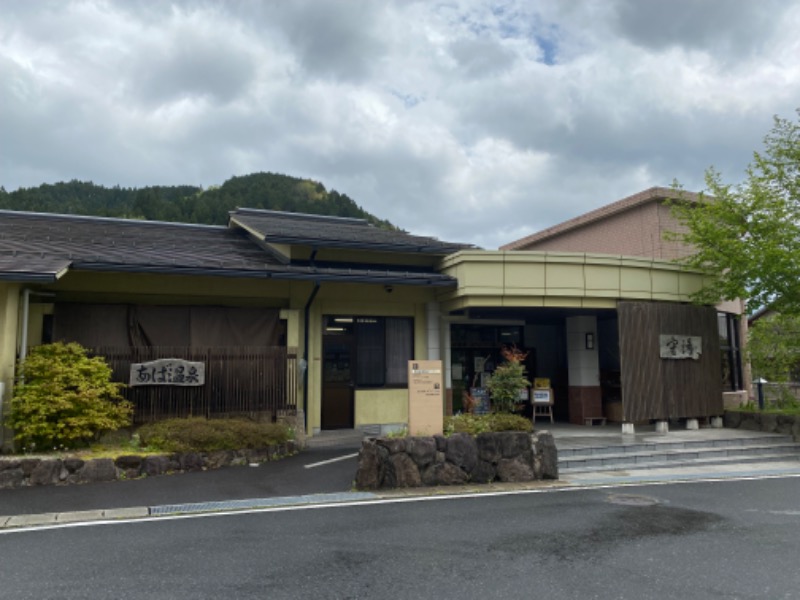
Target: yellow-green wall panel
{"type": "Point", "coordinates": [601, 277]}
{"type": "Point", "coordinates": [563, 276]}
{"type": "Point", "coordinates": [381, 407]}
{"type": "Point", "coordinates": [524, 276]}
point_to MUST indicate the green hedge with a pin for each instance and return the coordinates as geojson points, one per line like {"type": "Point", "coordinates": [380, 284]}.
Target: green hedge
{"type": "Point", "coordinates": [207, 435]}
{"type": "Point", "coordinates": [475, 424]}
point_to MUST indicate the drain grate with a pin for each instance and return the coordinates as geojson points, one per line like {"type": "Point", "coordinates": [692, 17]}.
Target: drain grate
{"type": "Point", "coordinates": [251, 503]}
{"type": "Point", "coordinates": [632, 500]}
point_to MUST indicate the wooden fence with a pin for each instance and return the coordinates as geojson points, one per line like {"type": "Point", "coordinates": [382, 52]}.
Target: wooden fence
{"type": "Point", "coordinates": [256, 382]}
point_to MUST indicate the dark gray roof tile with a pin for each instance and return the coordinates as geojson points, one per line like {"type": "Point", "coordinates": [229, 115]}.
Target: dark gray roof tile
{"type": "Point", "coordinates": [337, 232]}
{"type": "Point", "coordinates": [38, 247]}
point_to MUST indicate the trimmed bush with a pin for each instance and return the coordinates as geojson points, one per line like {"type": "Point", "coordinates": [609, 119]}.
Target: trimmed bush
{"type": "Point", "coordinates": [65, 399]}
{"type": "Point", "coordinates": [475, 424]}
{"type": "Point", "coordinates": [208, 435]}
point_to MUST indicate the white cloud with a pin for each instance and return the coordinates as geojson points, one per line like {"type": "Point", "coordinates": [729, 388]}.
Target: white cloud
{"type": "Point", "coordinates": [471, 120]}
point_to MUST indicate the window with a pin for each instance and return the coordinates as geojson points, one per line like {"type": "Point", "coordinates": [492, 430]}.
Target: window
{"type": "Point", "coordinates": [730, 351]}
{"type": "Point", "coordinates": [382, 347]}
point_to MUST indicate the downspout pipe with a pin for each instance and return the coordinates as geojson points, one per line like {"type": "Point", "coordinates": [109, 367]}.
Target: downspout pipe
{"type": "Point", "coordinates": [306, 320]}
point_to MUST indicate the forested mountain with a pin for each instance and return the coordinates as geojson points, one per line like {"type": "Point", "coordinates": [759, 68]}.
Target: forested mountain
{"type": "Point", "coordinates": [185, 203]}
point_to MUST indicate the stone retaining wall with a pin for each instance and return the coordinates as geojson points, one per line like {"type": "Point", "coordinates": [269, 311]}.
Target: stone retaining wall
{"type": "Point", "coordinates": [461, 458]}
{"type": "Point", "coordinates": [20, 472]}
{"type": "Point", "coordinates": [768, 422]}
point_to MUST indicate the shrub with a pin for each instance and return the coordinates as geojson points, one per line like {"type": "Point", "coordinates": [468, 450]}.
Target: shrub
{"type": "Point", "coordinates": [207, 435]}
{"type": "Point", "coordinates": [475, 424]}
{"type": "Point", "coordinates": [65, 399]}
{"type": "Point", "coordinates": [508, 380]}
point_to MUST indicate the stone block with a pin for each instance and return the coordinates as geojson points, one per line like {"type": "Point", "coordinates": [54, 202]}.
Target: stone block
{"type": "Point", "coordinates": [514, 443]}
{"type": "Point", "coordinates": [12, 478]}
{"type": "Point", "coordinates": [514, 470]}
{"type": "Point", "coordinates": [47, 472]}
{"type": "Point", "coordinates": [73, 464]}
{"type": "Point", "coordinates": [769, 422]}
{"type": "Point", "coordinates": [28, 465]}
{"type": "Point", "coordinates": [393, 445]}
{"type": "Point", "coordinates": [484, 472]}
{"type": "Point", "coordinates": [372, 468]}
{"type": "Point", "coordinates": [155, 465]}
{"type": "Point", "coordinates": [13, 463]}
{"type": "Point", "coordinates": [732, 419]}
{"type": "Point", "coordinates": [99, 469]}
{"type": "Point", "coordinates": [405, 470]}
{"type": "Point", "coordinates": [219, 458]}
{"type": "Point", "coordinates": [489, 447]}
{"type": "Point", "coordinates": [422, 450]}
{"type": "Point", "coordinates": [444, 474]}
{"type": "Point", "coordinates": [462, 451]}
{"type": "Point", "coordinates": [128, 461]}
{"type": "Point", "coordinates": [545, 458]}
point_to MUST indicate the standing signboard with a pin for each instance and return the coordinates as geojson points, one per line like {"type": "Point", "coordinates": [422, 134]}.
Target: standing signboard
{"type": "Point", "coordinates": [425, 397]}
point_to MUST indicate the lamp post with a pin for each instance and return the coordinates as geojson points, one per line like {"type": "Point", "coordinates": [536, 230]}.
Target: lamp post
{"type": "Point", "coordinates": [761, 381]}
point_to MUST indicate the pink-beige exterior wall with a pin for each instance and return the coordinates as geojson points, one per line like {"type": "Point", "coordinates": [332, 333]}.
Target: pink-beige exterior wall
{"type": "Point", "coordinates": [635, 232]}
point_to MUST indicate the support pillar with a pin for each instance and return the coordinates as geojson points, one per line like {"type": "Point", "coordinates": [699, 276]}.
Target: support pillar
{"type": "Point", "coordinates": [9, 327]}
{"type": "Point", "coordinates": [585, 398]}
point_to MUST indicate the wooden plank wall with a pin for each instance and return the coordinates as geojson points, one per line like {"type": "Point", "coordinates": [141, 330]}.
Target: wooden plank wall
{"type": "Point", "coordinates": [256, 382]}
{"type": "Point", "coordinates": [656, 388]}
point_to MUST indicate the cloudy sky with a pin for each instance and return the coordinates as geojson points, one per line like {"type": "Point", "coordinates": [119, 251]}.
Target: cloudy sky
{"type": "Point", "coordinates": [471, 120]}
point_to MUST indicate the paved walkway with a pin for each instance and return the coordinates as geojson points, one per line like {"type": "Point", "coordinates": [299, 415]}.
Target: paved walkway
{"type": "Point", "coordinates": [323, 474]}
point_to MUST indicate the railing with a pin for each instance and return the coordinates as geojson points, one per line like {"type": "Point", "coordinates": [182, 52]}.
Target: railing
{"type": "Point", "coordinates": [257, 382]}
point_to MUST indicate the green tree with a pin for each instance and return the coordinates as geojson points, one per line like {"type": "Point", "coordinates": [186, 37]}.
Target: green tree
{"type": "Point", "coordinates": [63, 398]}
{"type": "Point", "coordinates": [773, 347]}
{"type": "Point", "coordinates": [747, 236]}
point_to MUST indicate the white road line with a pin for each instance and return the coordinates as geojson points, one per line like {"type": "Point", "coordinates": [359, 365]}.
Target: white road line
{"type": "Point", "coordinates": [330, 460]}
{"type": "Point", "coordinates": [378, 501]}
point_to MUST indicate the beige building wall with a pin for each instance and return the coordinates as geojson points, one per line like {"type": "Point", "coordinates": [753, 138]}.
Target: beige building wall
{"type": "Point", "coordinates": [373, 406]}
{"type": "Point", "coordinates": [638, 231]}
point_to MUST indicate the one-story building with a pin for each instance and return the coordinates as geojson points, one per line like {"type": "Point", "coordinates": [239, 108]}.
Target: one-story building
{"type": "Point", "coordinates": [320, 316]}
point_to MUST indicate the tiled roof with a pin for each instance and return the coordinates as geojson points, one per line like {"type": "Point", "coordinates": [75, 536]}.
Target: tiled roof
{"type": "Point", "coordinates": [335, 232]}
{"type": "Point", "coordinates": [654, 193]}
{"type": "Point", "coordinates": [41, 247]}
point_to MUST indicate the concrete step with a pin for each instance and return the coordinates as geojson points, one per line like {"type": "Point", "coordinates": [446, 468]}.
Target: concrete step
{"type": "Point", "coordinates": [564, 451]}
{"type": "Point", "coordinates": [670, 455]}
{"type": "Point", "coordinates": [675, 464]}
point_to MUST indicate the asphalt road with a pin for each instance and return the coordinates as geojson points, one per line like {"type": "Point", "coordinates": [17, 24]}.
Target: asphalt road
{"type": "Point", "coordinates": [724, 539]}
{"type": "Point", "coordinates": [286, 477]}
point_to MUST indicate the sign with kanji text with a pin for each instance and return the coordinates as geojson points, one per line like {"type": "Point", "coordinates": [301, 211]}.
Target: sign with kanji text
{"type": "Point", "coordinates": [168, 371]}
{"type": "Point", "coordinates": [680, 346]}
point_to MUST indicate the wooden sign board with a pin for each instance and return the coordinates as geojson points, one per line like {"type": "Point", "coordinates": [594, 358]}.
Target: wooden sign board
{"type": "Point", "coordinates": [168, 371]}
{"type": "Point", "coordinates": [425, 397]}
{"type": "Point", "coordinates": [680, 346]}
